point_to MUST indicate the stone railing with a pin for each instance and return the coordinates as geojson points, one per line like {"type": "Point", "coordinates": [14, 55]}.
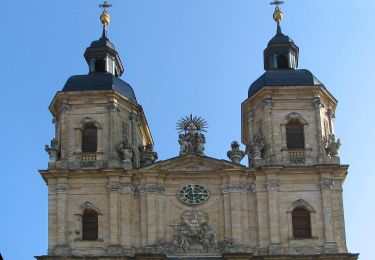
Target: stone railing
{"type": "Point", "coordinates": [296, 156]}
{"type": "Point", "coordinates": [88, 157]}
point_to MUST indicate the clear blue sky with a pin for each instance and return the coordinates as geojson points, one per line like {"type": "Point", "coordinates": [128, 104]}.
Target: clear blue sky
{"type": "Point", "coordinates": [181, 57]}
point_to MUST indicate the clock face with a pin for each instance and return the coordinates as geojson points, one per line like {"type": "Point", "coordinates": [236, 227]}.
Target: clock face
{"type": "Point", "coordinates": [193, 194]}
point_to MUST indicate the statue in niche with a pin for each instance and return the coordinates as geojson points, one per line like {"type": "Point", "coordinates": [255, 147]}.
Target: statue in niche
{"type": "Point", "coordinates": [332, 145]}
{"type": "Point", "coordinates": [53, 151]}
{"type": "Point", "coordinates": [191, 138]}
{"type": "Point", "coordinates": [127, 156]}
{"type": "Point", "coordinates": [235, 154]}
{"type": "Point", "coordinates": [149, 156]}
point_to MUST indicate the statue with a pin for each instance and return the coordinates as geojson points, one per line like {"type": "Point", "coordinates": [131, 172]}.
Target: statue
{"type": "Point", "coordinates": [254, 149]}
{"type": "Point", "coordinates": [235, 154]}
{"type": "Point", "coordinates": [127, 156]}
{"type": "Point", "coordinates": [199, 149]}
{"type": "Point", "coordinates": [332, 145]}
{"type": "Point", "coordinates": [52, 151]}
{"type": "Point", "coordinates": [185, 145]}
{"type": "Point", "coordinates": [148, 155]}
{"type": "Point", "coordinates": [191, 138]}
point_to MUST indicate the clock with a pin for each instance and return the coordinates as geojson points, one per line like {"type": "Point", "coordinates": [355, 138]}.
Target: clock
{"type": "Point", "coordinates": [193, 194]}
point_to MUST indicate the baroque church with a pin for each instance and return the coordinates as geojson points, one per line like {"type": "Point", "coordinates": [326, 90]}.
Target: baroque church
{"type": "Point", "coordinates": [110, 198]}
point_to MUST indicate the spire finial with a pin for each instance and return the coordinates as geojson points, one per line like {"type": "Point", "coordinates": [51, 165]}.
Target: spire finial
{"type": "Point", "coordinates": [104, 17]}
{"type": "Point", "coordinates": [277, 14]}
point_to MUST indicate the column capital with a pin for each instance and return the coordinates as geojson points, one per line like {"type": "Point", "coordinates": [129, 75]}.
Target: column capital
{"type": "Point", "coordinates": [152, 188]}
{"type": "Point", "coordinates": [65, 108]}
{"type": "Point", "coordinates": [62, 188]}
{"type": "Point", "coordinates": [267, 103]}
{"type": "Point", "coordinates": [113, 106]}
{"type": "Point", "coordinates": [317, 103]}
{"type": "Point", "coordinates": [114, 187]}
{"type": "Point", "coordinates": [326, 184]}
{"type": "Point", "coordinates": [272, 186]}
{"type": "Point", "coordinates": [236, 187]}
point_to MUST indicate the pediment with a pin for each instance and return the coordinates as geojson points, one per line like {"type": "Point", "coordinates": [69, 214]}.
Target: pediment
{"type": "Point", "coordinates": [193, 163]}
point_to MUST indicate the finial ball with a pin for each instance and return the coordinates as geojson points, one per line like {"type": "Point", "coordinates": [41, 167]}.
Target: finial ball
{"type": "Point", "coordinates": [278, 15]}
{"type": "Point", "coordinates": [105, 18]}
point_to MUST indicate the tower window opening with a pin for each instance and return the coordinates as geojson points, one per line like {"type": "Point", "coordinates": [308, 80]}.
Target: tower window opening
{"type": "Point", "coordinates": [90, 225]}
{"type": "Point", "coordinates": [295, 135]}
{"type": "Point", "coordinates": [282, 62]}
{"type": "Point", "coordinates": [89, 139]}
{"type": "Point", "coordinates": [100, 65]}
{"type": "Point", "coordinates": [301, 223]}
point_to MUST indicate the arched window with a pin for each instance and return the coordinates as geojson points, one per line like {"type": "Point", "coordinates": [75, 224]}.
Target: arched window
{"type": "Point", "coordinates": [89, 225]}
{"type": "Point", "coordinates": [301, 223]}
{"type": "Point", "coordinates": [282, 62]}
{"type": "Point", "coordinates": [295, 137]}
{"type": "Point", "coordinates": [89, 139]}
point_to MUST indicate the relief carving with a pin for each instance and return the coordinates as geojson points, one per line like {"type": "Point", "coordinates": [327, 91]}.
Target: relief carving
{"type": "Point", "coordinates": [194, 234]}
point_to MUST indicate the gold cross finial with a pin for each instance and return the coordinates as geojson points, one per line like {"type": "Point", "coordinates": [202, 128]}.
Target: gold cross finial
{"type": "Point", "coordinates": [278, 14]}
{"type": "Point", "coordinates": [105, 18]}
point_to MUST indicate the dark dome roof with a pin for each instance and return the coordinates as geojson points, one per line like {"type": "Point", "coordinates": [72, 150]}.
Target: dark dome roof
{"type": "Point", "coordinates": [280, 39]}
{"type": "Point", "coordinates": [102, 42]}
{"type": "Point", "coordinates": [102, 81]}
{"type": "Point", "coordinates": [284, 78]}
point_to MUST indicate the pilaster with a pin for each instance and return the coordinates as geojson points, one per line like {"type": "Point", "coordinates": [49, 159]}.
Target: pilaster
{"type": "Point", "coordinates": [318, 106]}
{"type": "Point", "coordinates": [326, 184]}
{"type": "Point", "coordinates": [61, 192]}
{"type": "Point", "coordinates": [267, 107]}
{"type": "Point", "coordinates": [114, 189]}
{"type": "Point", "coordinates": [272, 186]}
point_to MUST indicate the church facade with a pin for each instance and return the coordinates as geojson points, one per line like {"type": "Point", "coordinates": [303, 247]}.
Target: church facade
{"type": "Point", "coordinates": [109, 197]}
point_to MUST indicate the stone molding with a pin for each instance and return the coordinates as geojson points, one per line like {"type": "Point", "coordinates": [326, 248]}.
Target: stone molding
{"type": "Point", "coordinates": [90, 205]}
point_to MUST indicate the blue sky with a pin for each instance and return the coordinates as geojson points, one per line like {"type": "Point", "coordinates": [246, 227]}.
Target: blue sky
{"type": "Point", "coordinates": [181, 57]}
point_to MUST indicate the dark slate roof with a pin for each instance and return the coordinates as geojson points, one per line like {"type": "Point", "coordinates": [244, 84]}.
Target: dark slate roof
{"type": "Point", "coordinates": [102, 81]}
{"type": "Point", "coordinates": [284, 78]}
{"type": "Point", "coordinates": [279, 39]}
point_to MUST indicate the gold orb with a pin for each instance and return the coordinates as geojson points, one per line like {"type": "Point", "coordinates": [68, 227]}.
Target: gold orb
{"type": "Point", "coordinates": [278, 15]}
{"type": "Point", "coordinates": [105, 18]}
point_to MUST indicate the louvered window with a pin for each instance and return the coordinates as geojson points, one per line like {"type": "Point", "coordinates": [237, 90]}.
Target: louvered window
{"type": "Point", "coordinates": [282, 62]}
{"type": "Point", "coordinates": [89, 139]}
{"type": "Point", "coordinates": [294, 135]}
{"type": "Point", "coordinates": [89, 225]}
{"type": "Point", "coordinates": [301, 223]}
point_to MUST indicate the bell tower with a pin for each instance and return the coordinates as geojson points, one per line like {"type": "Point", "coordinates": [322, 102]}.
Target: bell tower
{"type": "Point", "coordinates": [99, 123]}
{"type": "Point", "coordinates": [288, 116]}
{"type": "Point", "coordinates": [100, 132]}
